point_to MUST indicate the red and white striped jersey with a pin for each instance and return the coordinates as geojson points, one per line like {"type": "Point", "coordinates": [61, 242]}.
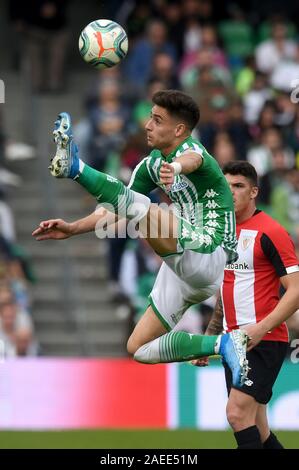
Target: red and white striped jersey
{"type": "Point", "coordinates": [250, 288]}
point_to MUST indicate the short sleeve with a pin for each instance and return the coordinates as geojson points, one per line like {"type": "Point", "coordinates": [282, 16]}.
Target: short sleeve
{"type": "Point", "coordinates": [140, 181]}
{"type": "Point", "coordinates": [279, 248]}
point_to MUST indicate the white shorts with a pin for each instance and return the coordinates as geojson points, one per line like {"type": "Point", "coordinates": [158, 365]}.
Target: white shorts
{"type": "Point", "coordinates": [184, 280]}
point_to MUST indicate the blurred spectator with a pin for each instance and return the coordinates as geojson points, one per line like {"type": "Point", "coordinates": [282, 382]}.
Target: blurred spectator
{"type": "Point", "coordinates": [172, 15]}
{"type": "Point", "coordinates": [205, 10]}
{"type": "Point", "coordinates": [25, 343]}
{"type": "Point", "coordinates": [286, 109]}
{"type": "Point", "coordinates": [266, 119]}
{"type": "Point", "coordinates": [44, 27]}
{"type": "Point", "coordinates": [265, 28]}
{"type": "Point", "coordinates": [291, 134]}
{"type": "Point", "coordinates": [218, 122]}
{"type": "Point", "coordinates": [223, 150]}
{"type": "Point", "coordinates": [204, 62]}
{"type": "Point", "coordinates": [7, 178]}
{"type": "Point", "coordinates": [8, 318]}
{"type": "Point", "coordinates": [7, 223]}
{"type": "Point", "coordinates": [192, 31]}
{"type": "Point", "coordinates": [245, 77]}
{"type": "Point", "coordinates": [207, 38]}
{"type": "Point", "coordinates": [6, 295]}
{"type": "Point", "coordinates": [139, 62]}
{"type": "Point", "coordinates": [286, 73]}
{"type": "Point", "coordinates": [16, 331]}
{"type": "Point", "coordinates": [163, 69]}
{"type": "Point", "coordinates": [238, 130]}
{"type": "Point", "coordinates": [141, 111]}
{"type": "Point", "coordinates": [255, 99]}
{"type": "Point", "coordinates": [285, 203]}
{"type": "Point", "coordinates": [109, 124]}
{"type": "Point", "coordinates": [273, 178]}
{"type": "Point", "coordinates": [138, 19]}
{"type": "Point", "coordinates": [270, 52]}
{"type": "Point", "coordinates": [226, 119]}
{"type": "Point", "coordinates": [237, 36]}
{"type": "Point", "coordinates": [261, 156]}
{"type": "Point", "coordinates": [134, 150]}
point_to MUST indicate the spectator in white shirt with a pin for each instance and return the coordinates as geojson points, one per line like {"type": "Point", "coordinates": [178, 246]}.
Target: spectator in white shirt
{"type": "Point", "coordinates": [269, 53]}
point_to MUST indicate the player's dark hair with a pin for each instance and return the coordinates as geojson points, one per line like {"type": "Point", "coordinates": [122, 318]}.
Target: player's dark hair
{"type": "Point", "coordinates": [178, 104]}
{"type": "Point", "coordinates": [239, 167]}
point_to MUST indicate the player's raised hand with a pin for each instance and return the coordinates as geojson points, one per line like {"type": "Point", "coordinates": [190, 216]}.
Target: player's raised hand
{"type": "Point", "coordinates": [167, 175]}
{"type": "Point", "coordinates": [55, 229]}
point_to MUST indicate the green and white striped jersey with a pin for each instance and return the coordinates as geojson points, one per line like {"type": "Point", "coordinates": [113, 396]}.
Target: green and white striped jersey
{"type": "Point", "coordinates": [202, 199]}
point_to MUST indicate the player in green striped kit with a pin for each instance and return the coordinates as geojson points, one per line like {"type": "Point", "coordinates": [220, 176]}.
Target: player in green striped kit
{"type": "Point", "coordinates": [195, 240]}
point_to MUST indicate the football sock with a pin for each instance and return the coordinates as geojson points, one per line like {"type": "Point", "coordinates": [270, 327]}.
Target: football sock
{"type": "Point", "coordinates": [176, 346]}
{"type": "Point", "coordinates": [109, 190]}
{"type": "Point", "coordinates": [249, 438]}
{"type": "Point", "coordinates": [272, 442]}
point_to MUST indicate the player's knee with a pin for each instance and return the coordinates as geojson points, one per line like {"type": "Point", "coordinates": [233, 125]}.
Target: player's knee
{"type": "Point", "coordinates": [236, 416]}
{"type": "Point", "coordinates": [132, 345]}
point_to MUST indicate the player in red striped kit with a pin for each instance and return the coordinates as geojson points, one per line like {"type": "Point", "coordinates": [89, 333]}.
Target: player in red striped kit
{"type": "Point", "coordinates": [250, 300]}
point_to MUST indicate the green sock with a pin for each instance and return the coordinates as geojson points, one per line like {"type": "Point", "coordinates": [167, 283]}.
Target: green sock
{"type": "Point", "coordinates": [106, 189]}
{"type": "Point", "coordinates": [181, 346]}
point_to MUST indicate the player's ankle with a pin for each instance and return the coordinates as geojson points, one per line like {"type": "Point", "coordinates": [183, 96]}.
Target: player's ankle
{"type": "Point", "coordinates": [249, 438]}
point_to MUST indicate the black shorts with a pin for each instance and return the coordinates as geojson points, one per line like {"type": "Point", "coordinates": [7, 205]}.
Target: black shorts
{"type": "Point", "coordinates": [265, 361]}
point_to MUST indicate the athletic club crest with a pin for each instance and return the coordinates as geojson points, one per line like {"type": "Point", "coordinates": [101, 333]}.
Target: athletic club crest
{"type": "Point", "coordinates": [246, 242]}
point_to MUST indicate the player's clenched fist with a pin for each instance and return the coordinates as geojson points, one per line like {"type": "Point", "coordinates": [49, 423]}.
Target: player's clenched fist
{"type": "Point", "coordinates": [167, 175]}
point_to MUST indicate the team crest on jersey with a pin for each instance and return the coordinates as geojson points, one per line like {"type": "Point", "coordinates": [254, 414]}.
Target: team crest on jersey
{"type": "Point", "coordinates": [246, 242]}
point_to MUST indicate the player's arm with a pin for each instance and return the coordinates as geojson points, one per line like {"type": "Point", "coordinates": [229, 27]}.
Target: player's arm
{"type": "Point", "coordinates": [287, 305]}
{"type": "Point", "coordinates": [215, 326]}
{"type": "Point", "coordinates": [59, 229]}
{"type": "Point", "coordinates": [185, 164]}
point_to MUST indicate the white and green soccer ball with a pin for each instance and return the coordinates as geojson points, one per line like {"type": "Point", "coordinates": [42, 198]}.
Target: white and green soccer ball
{"type": "Point", "coordinates": [103, 43]}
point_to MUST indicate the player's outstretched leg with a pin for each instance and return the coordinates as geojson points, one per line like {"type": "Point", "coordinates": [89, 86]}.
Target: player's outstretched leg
{"type": "Point", "coordinates": [178, 346]}
{"type": "Point", "coordinates": [233, 351]}
{"type": "Point", "coordinates": [105, 188]}
{"type": "Point", "coordinates": [117, 197]}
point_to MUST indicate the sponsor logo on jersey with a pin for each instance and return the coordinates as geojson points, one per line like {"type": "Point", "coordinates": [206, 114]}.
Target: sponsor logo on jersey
{"type": "Point", "coordinates": [236, 266]}
{"type": "Point", "coordinates": [179, 186]}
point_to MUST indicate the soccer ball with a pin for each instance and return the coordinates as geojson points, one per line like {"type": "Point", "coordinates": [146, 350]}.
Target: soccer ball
{"type": "Point", "coordinates": [103, 43]}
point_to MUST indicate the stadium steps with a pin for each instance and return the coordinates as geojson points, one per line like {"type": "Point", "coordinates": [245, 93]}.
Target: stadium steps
{"type": "Point", "coordinates": [72, 311]}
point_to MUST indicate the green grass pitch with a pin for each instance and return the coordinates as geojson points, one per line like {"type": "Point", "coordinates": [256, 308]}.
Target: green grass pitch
{"type": "Point", "coordinates": [128, 439]}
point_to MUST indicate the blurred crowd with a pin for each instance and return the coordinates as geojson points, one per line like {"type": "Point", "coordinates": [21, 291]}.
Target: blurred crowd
{"type": "Point", "coordinates": [16, 326]}
{"type": "Point", "coordinates": [240, 64]}
{"type": "Point", "coordinates": [17, 336]}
